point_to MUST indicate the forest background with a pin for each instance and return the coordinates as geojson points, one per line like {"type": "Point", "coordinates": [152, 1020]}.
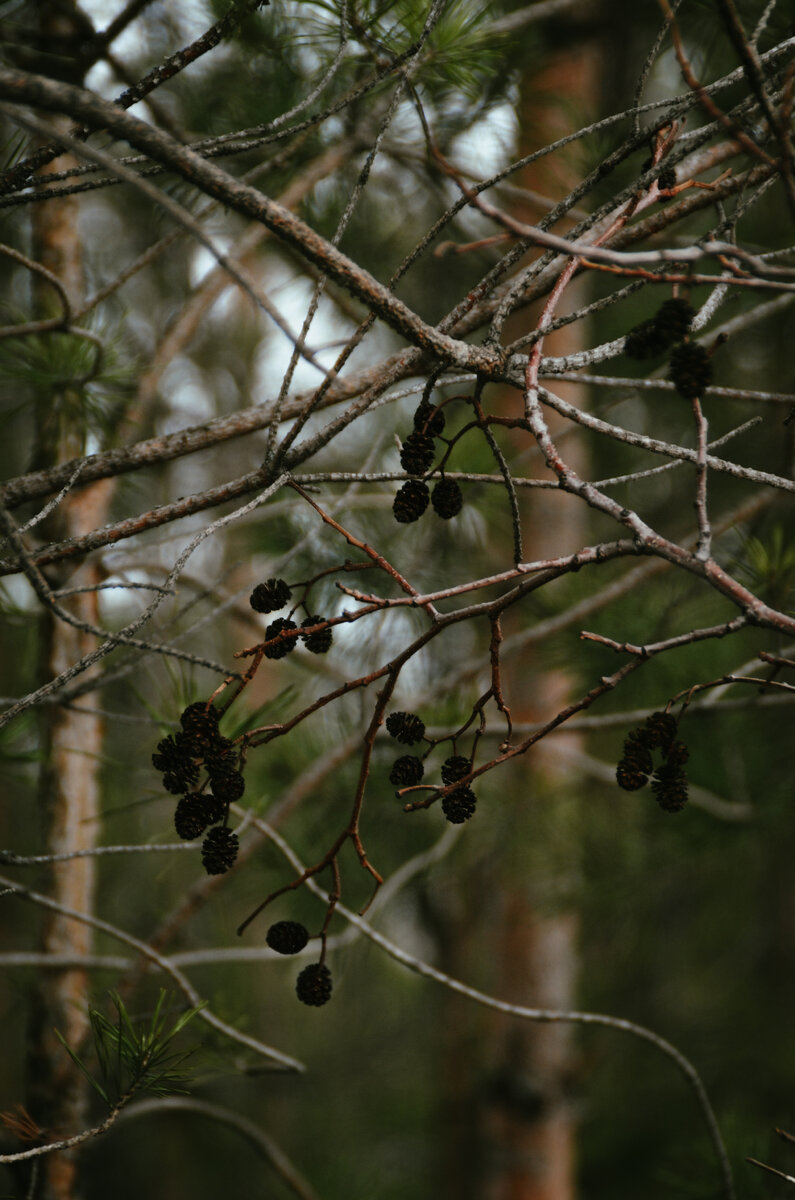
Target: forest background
{"type": "Point", "coordinates": [233, 269]}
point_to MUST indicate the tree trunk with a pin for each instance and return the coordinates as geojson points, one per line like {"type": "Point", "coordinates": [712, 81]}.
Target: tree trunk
{"type": "Point", "coordinates": [515, 1130]}
{"type": "Point", "coordinates": [71, 738]}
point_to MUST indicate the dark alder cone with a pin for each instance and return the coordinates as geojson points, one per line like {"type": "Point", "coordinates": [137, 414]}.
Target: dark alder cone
{"type": "Point", "coordinates": [214, 809]}
{"type": "Point", "coordinates": [228, 786]}
{"type": "Point", "coordinates": [667, 179]}
{"type": "Point", "coordinates": [198, 717]}
{"type": "Point", "coordinates": [446, 499]}
{"type": "Point", "coordinates": [177, 782]}
{"type": "Point", "coordinates": [270, 596]}
{"type": "Point", "coordinates": [455, 767]}
{"type": "Point", "coordinates": [406, 771]}
{"type": "Point", "coordinates": [410, 502]}
{"type": "Point", "coordinates": [287, 937]}
{"type": "Point", "coordinates": [219, 850]}
{"type": "Point", "coordinates": [637, 751]}
{"type": "Point", "coordinates": [182, 740]}
{"type": "Point", "coordinates": [629, 777]}
{"type": "Point", "coordinates": [220, 756]}
{"type": "Point", "coordinates": [279, 649]}
{"type": "Point", "coordinates": [644, 341]}
{"type": "Point", "coordinates": [320, 641]}
{"type": "Point", "coordinates": [636, 764]}
{"type": "Point", "coordinates": [171, 754]}
{"type": "Point", "coordinates": [429, 419]}
{"type": "Point", "coordinates": [192, 816]}
{"type": "Point", "coordinates": [690, 370]}
{"type": "Point", "coordinates": [225, 762]}
{"type": "Point", "coordinates": [669, 784]}
{"type": "Point", "coordinates": [202, 742]}
{"type": "Point", "coordinates": [677, 754]}
{"type": "Point", "coordinates": [459, 805]}
{"type": "Point", "coordinates": [313, 985]}
{"type": "Point", "coordinates": [405, 727]}
{"type": "Point", "coordinates": [673, 320]}
{"type": "Point", "coordinates": [659, 730]}
{"type": "Point", "coordinates": [417, 454]}
{"type": "Point", "coordinates": [199, 729]}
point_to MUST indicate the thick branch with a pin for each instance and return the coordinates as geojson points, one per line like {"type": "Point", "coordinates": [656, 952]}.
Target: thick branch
{"type": "Point", "coordinates": [21, 88]}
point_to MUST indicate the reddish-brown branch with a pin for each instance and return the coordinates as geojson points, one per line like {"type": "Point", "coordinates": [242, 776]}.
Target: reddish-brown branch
{"type": "Point", "coordinates": [706, 101]}
{"type": "Point", "coordinates": [377, 559]}
{"type": "Point", "coordinates": [606, 684]}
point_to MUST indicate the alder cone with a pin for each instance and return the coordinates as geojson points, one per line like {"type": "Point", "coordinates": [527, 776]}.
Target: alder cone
{"type": "Point", "coordinates": [280, 649]}
{"type": "Point", "coordinates": [199, 718]}
{"type": "Point", "coordinates": [446, 499]}
{"type": "Point", "coordinates": [190, 818]}
{"type": "Point", "coordinates": [411, 501]}
{"type": "Point", "coordinates": [429, 419]}
{"type": "Point", "coordinates": [406, 771]}
{"type": "Point", "coordinates": [270, 596]}
{"type": "Point", "coordinates": [417, 454]}
{"type": "Point", "coordinates": [171, 755]}
{"type": "Point", "coordinates": [287, 937]}
{"type": "Point", "coordinates": [177, 782]}
{"type": "Point", "coordinates": [629, 777]}
{"type": "Point", "coordinates": [636, 763]}
{"type": "Point", "coordinates": [405, 727]}
{"type": "Point", "coordinates": [459, 805]}
{"type": "Point", "coordinates": [320, 641]}
{"type": "Point", "coordinates": [202, 740]}
{"type": "Point", "coordinates": [220, 757]}
{"type": "Point", "coordinates": [659, 730]}
{"type": "Point", "coordinates": [644, 341]}
{"type": "Point", "coordinates": [670, 324]}
{"type": "Point", "coordinates": [678, 754]}
{"type": "Point", "coordinates": [313, 985]}
{"type": "Point", "coordinates": [213, 808]}
{"type": "Point", "coordinates": [455, 767]}
{"type": "Point", "coordinates": [669, 784]}
{"type": "Point", "coordinates": [228, 786]}
{"type": "Point", "coordinates": [637, 751]}
{"type": "Point", "coordinates": [690, 370]}
{"type": "Point", "coordinates": [219, 850]}
{"type": "Point", "coordinates": [673, 320]}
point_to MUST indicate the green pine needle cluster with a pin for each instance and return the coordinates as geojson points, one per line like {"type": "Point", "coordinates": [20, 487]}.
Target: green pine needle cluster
{"type": "Point", "coordinates": [84, 375]}
{"type": "Point", "coordinates": [135, 1055]}
{"type": "Point", "coordinates": [769, 567]}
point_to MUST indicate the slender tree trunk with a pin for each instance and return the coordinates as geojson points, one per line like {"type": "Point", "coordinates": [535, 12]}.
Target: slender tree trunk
{"type": "Point", "coordinates": [528, 1115]}
{"type": "Point", "coordinates": [514, 1124]}
{"type": "Point", "coordinates": [71, 738]}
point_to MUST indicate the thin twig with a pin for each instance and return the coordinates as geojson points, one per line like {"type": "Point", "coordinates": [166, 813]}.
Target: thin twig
{"type": "Point", "coordinates": [534, 1014]}
{"type": "Point", "coordinates": [164, 964]}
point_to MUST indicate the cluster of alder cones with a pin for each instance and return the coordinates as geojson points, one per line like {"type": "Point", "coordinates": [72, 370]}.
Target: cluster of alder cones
{"type": "Point", "coordinates": [459, 804]}
{"type": "Point", "coordinates": [417, 457]}
{"type": "Point", "coordinates": [668, 778]}
{"type": "Point", "coordinates": [204, 769]}
{"type": "Point", "coordinates": [690, 367]}
{"type": "Point", "coordinates": [313, 631]}
{"type": "Point", "coordinates": [313, 985]}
